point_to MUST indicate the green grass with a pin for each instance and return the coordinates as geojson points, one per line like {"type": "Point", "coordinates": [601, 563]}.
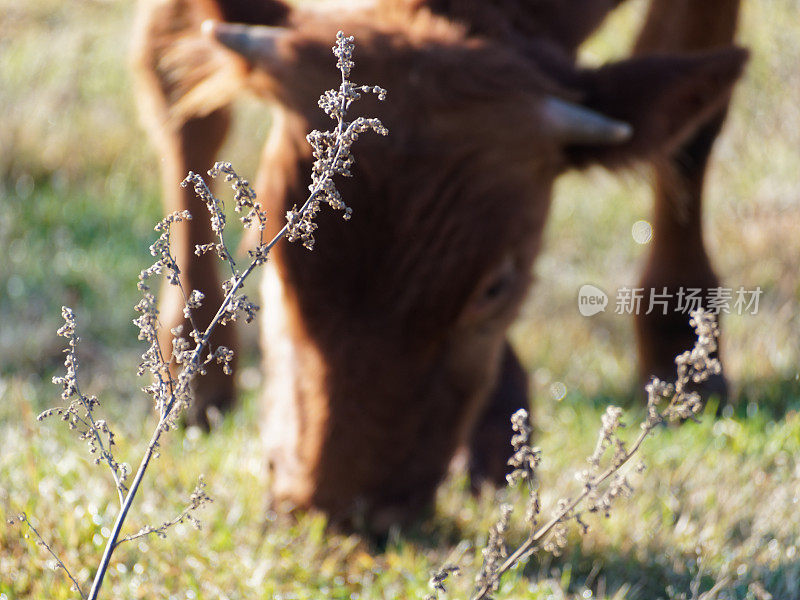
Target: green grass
{"type": "Point", "coordinates": [78, 198]}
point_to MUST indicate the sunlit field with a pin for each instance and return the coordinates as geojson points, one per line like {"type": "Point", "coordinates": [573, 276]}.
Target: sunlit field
{"type": "Point", "coordinates": [717, 509]}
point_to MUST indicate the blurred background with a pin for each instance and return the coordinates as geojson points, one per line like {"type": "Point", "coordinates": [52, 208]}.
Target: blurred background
{"type": "Point", "coordinates": [79, 195]}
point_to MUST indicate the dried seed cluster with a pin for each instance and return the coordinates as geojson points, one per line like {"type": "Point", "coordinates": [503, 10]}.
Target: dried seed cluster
{"type": "Point", "coordinates": [193, 353]}
{"type": "Point", "coordinates": [332, 149]}
{"type": "Point", "coordinates": [605, 480]}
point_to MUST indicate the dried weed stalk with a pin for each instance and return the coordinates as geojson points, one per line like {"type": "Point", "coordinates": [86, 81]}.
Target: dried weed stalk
{"type": "Point", "coordinates": [604, 481]}
{"type": "Point", "coordinates": [172, 394]}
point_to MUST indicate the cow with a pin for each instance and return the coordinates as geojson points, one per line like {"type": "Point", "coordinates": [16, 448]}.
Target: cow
{"type": "Point", "coordinates": [550, 31]}
{"type": "Point", "coordinates": [385, 348]}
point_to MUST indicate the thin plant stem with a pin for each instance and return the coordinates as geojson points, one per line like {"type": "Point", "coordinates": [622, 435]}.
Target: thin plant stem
{"type": "Point", "coordinates": [150, 450]}
{"type": "Point", "coordinates": [531, 542]}
{"type": "Point", "coordinates": [202, 340]}
{"type": "Point", "coordinates": [24, 517]}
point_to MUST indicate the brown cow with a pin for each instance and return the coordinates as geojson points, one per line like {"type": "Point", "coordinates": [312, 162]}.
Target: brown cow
{"type": "Point", "coordinates": [550, 31]}
{"type": "Point", "coordinates": [385, 347]}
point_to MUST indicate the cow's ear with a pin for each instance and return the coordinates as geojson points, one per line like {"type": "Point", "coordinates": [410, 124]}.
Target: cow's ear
{"type": "Point", "coordinates": [206, 77]}
{"type": "Point", "coordinates": [664, 98]}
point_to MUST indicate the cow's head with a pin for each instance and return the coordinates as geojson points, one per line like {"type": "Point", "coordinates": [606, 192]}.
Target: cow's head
{"type": "Point", "coordinates": [383, 343]}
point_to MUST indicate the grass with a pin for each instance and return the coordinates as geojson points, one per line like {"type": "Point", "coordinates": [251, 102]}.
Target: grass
{"type": "Point", "coordinates": [78, 199]}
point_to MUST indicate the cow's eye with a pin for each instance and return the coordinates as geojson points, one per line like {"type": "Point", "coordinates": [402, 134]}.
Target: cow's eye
{"type": "Point", "coordinates": [495, 292]}
{"type": "Point", "coordinates": [500, 283]}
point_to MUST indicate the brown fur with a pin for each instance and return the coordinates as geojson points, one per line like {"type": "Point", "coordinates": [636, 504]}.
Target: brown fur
{"type": "Point", "coordinates": [385, 346]}
{"type": "Point", "coordinates": [678, 256]}
{"type": "Point", "coordinates": [553, 29]}
{"type": "Point", "coordinates": [564, 23]}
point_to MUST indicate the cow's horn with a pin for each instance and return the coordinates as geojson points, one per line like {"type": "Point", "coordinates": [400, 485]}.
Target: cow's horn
{"type": "Point", "coordinates": [575, 124]}
{"type": "Point", "coordinates": [253, 42]}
